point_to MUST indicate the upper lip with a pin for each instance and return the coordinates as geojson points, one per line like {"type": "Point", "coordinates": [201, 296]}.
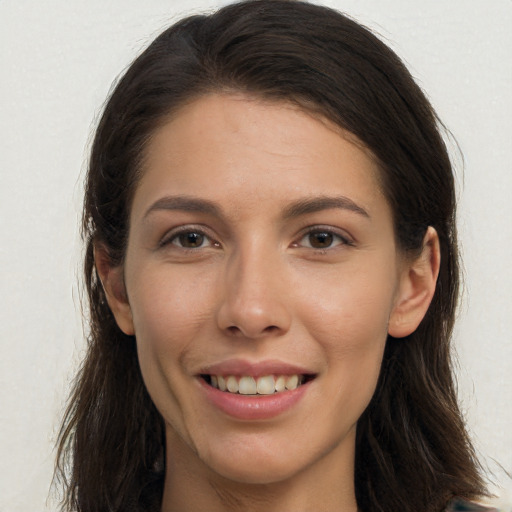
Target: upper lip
{"type": "Point", "coordinates": [254, 369]}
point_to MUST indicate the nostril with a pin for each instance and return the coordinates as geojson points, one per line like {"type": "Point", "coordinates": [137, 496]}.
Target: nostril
{"type": "Point", "coordinates": [252, 317]}
{"type": "Point", "coordinates": [236, 331]}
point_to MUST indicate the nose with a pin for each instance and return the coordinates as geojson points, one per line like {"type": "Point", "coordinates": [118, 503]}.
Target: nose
{"type": "Point", "coordinates": [255, 303]}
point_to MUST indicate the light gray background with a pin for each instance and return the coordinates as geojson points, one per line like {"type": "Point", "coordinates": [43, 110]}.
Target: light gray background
{"type": "Point", "coordinates": [57, 61]}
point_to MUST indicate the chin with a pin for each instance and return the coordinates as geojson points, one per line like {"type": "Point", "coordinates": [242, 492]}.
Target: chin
{"type": "Point", "coordinates": [254, 476]}
{"type": "Point", "coordinates": [254, 470]}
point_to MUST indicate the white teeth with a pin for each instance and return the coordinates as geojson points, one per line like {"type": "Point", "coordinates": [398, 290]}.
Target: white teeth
{"type": "Point", "coordinates": [247, 385]}
{"type": "Point", "coordinates": [281, 383]}
{"type": "Point", "coordinates": [232, 384]}
{"type": "Point", "coordinates": [266, 385]}
{"type": "Point", "coordinates": [292, 382]}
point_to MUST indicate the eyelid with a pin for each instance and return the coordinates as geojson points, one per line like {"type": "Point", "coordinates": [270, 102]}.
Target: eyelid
{"type": "Point", "coordinates": [345, 238]}
{"type": "Point", "coordinates": [173, 233]}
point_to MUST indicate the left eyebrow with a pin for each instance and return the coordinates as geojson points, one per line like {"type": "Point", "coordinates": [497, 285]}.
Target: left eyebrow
{"type": "Point", "coordinates": [316, 204]}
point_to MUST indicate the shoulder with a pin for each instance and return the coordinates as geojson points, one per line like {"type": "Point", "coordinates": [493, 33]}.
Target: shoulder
{"type": "Point", "coordinates": [459, 505]}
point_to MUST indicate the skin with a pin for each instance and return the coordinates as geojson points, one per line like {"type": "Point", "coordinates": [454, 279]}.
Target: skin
{"type": "Point", "coordinates": [255, 287]}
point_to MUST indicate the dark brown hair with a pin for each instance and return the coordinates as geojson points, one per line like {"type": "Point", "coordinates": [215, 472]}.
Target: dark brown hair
{"type": "Point", "coordinates": [413, 452]}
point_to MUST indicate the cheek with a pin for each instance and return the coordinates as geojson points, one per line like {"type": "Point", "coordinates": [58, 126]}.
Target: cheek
{"type": "Point", "coordinates": [351, 314]}
{"type": "Point", "coordinates": [169, 308]}
{"type": "Point", "coordinates": [349, 321]}
{"type": "Point", "coordinates": [169, 311]}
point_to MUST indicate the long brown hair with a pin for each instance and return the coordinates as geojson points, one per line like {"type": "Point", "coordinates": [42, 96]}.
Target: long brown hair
{"type": "Point", "coordinates": [413, 453]}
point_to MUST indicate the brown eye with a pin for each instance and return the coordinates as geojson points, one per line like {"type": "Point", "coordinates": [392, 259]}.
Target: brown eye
{"type": "Point", "coordinates": [190, 240]}
{"type": "Point", "coordinates": [321, 239]}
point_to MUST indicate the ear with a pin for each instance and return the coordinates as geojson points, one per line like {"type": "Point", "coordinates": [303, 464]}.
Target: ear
{"type": "Point", "coordinates": [112, 280]}
{"type": "Point", "coordinates": [417, 287]}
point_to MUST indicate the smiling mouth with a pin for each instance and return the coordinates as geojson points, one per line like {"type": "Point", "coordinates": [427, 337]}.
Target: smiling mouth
{"type": "Point", "coordinates": [248, 385]}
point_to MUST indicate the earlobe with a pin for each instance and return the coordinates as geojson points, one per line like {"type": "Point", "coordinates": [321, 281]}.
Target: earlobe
{"type": "Point", "coordinates": [416, 289]}
{"type": "Point", "coordinates": [112, 280]}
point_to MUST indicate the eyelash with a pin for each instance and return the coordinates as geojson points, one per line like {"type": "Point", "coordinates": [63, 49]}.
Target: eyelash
{"type": "Point", "coordinates": [174, 237]}
{"type": "Point", "coordinates": [319, 230]}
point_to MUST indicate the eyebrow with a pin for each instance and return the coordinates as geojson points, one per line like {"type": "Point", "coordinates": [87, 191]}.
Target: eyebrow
{"type": "Point", "coordinates": [316, 204]}
{"type": "Point", "coordinates": [185, 203]}
{"type": "Point", "coordinates": [295, 209]}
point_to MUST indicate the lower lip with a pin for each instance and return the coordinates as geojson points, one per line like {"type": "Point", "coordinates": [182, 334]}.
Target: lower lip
{"type": "Point", "coordinates": [253, 407]}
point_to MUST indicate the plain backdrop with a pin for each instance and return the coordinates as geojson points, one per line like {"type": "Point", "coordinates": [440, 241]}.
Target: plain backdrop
{"type": "Point", "coordinates": [58, 59]}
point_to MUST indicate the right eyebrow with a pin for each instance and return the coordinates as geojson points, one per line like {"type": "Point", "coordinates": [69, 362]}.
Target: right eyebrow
{"type": "Point", "coordinates": [184, 203]}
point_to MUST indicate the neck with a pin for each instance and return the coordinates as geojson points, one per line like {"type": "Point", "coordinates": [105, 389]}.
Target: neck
{"type": "Point", "coordinates": [326, 485]}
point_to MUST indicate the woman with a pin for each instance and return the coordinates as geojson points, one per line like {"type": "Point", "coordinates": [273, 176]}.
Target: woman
{"type": "Point", "coordinates": [272, 276]}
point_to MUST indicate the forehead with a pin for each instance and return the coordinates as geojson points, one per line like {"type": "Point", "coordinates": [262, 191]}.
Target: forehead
{"type": "Point", "coordinates": [240, 149]}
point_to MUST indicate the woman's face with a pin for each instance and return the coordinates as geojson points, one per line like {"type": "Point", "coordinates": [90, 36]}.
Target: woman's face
{"type": "Point", "coordinates": [261, 255]}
